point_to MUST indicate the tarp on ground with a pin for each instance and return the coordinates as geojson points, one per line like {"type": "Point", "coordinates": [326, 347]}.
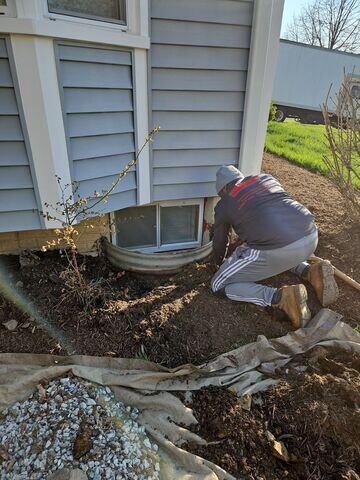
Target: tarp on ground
{"type": "Point", "coordinates": [148, 386]}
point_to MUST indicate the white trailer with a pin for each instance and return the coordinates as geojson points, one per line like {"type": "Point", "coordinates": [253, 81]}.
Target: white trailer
{"type": "Point", "coordinates": [304, 75]}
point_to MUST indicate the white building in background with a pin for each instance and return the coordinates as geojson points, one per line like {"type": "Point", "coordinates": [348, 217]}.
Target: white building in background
{"type": "Point", "coordinates": [305, 74]}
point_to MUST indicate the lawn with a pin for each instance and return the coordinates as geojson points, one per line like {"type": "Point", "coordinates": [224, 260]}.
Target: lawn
{"type": "Point", "coordinates": [301, 144]}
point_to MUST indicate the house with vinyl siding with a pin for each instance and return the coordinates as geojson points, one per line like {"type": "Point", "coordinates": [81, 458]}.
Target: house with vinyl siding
{"type": "Point", "coordinates": [83, 82]}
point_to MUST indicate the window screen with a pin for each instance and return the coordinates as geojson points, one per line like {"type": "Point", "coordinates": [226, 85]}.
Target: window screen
{"type": "Point", "coordinates": [106, 10]}
{"type": "Point", "coordinates": [179, 224]}
{"type": "Point", "coordinates": [136, 227]}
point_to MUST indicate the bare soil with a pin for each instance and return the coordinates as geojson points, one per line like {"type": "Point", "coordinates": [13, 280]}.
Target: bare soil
{"type": "Point", "coordinates": [315, 413]}
{"type": "Point", "coordinates": [172, 320]}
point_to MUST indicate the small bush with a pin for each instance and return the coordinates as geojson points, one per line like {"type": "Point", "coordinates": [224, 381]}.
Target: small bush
{"type": "Point", "coordinates": [272, 111]}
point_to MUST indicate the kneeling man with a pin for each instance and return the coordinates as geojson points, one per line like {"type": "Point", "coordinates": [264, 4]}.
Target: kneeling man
{"type": "Point", "coordinates": [279, 234]}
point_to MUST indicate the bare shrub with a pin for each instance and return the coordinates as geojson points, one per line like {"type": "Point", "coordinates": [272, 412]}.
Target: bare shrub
{"type": "Point", "coordinates": [342, 131]}
{"type": "Point", "coordinates": [68, 212]}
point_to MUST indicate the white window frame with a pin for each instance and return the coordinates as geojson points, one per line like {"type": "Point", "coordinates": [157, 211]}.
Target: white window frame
{"type": "Point", "coordinates": [99, 21]}
{"type": "Point", "coordinates": [32, 17]}
{"type": "Point", "coordinates": [171, 246]}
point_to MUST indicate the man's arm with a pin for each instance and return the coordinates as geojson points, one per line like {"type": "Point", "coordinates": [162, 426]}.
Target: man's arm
{"type": "Point", "coordinates": [221, 234]}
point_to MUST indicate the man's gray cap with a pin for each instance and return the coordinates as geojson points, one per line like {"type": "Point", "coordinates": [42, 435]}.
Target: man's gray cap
{"type": "Point", "coordinates": [226, 175]}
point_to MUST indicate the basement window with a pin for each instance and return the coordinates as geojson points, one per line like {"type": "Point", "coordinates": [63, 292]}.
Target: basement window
{"type": "Point", "coordinates": [165, 226]}
{"type": "Point", "coordinates": [102, 10]}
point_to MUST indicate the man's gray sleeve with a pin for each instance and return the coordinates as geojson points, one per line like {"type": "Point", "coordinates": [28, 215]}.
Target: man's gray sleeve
{"type": "Point", "coordinates": [221, 234]}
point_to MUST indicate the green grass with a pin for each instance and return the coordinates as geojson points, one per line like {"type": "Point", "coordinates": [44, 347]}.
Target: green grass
{"type": "Point", "coordinates": [298, 143]}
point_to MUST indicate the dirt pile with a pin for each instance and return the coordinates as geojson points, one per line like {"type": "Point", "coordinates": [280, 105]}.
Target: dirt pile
{"type": "Point", "coordinates": [314, 412]}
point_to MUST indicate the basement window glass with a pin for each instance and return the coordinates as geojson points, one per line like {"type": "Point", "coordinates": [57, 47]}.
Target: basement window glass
{"type": "Point", "coordinates": [103, 10]}
{"type": "Point", "coordinates": [161, 227]}
{"type": "Point", "coordinates": [179, 224]}
{"type": "Point", "coordinates": [136, 227]}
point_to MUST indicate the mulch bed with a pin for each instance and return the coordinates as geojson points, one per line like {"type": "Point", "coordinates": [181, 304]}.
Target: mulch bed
{"type": "Point", "coordinates": [173, 320]}
{"type": "Point", "coordinates": [314, 413]}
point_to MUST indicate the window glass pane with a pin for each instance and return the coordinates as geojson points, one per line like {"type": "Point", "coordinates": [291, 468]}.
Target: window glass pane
{"type": "Point", "coordinates": [109, 9]}
{"type": "Point", "coordinates": [136, 227]}
{"type": "Point", "coordinates": [179, 224]}
{"type": "Point", "coordinates": [2, 3]}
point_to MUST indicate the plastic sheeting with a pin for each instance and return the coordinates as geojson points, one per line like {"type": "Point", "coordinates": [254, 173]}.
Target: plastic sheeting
{"type": "Point", "coordinates": [148, 386]}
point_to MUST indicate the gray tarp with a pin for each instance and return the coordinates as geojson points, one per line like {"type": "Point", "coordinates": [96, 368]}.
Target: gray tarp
{"type": "Point", "coordinates": [147, 386]}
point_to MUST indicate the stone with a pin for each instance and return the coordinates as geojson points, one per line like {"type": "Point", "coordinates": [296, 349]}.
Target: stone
{"type": "Point", "coordinates": [19, 284]}
{"type": "Point", "coordinates": [78, 474]}
{"type": "Point", "coordinates": [278, 449]}
{"type": "Point", "coordinates": [245, 402]}
{"type": "Point", "coordinates": [11, 325]}
{"type": "Point", "coordinates": [68, 474]}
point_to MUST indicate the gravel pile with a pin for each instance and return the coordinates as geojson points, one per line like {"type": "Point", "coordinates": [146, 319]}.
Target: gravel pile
{"type": "Point", "coordinates": [74, 424]}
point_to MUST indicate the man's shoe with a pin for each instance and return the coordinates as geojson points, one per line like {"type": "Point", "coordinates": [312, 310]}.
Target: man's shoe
{"type": "Point", "coordinates": [293, 301]}
{"type": "Point", "coordinates": [321, 277]}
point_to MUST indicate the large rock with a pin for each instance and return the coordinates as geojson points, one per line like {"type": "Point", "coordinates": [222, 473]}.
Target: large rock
{"type": "Point", "coordinates": [67, 474]}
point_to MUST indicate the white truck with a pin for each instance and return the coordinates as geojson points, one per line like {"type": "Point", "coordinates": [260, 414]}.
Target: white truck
{"type": "Point", "coordinates": [304, 76]}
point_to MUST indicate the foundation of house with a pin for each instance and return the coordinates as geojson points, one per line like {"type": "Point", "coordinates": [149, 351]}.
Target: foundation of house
{"type": "Point", "coordinates": [12, 243]}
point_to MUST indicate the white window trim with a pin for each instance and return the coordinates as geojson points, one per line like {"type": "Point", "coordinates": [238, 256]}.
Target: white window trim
{"type": "Point", "coordinates": [171, 246]}
{"type": "Point", "coordinates": [33, 18]}
{"type": "Point", "coordinates": [265, 39]}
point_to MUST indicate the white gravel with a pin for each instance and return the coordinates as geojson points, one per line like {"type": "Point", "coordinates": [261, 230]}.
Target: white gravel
{"type": "Point", "coordinates": [74, 424]}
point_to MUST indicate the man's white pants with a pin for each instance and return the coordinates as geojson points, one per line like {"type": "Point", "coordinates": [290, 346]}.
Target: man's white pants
{"type": "Point", "coordinates": [238, 274]}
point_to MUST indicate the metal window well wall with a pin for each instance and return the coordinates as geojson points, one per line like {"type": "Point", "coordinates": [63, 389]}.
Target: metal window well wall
{"type": "Point", "coordinates": [163, 262]}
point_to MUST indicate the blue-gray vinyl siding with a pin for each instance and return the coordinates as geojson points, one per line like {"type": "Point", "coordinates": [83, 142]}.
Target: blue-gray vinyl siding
{"type": "Point", "coordinates": [18, 204]}
{"type": "Point", "coordinates": [199, 59]}
{"type": "Point", "coordinates": [97, 98]}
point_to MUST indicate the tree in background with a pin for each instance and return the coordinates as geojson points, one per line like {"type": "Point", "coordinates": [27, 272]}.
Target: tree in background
{"type": "Point", "coordinates": [333, 24]}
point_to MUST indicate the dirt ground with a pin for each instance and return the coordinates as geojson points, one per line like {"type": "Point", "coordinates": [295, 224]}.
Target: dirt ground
{"type": "Point", "coordinates": [314, 413]}
{"type": "Point", "coordinates": [176, 319]}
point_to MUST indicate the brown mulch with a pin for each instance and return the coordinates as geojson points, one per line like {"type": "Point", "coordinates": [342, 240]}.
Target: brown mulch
{"type": "Point", "coordinates": [316, 414]}
{"type": "Point", "coordinates": [172, 320]}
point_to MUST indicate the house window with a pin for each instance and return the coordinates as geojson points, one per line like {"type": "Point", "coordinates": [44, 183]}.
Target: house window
{"type": "Point", "coordinates": [179, 224]}
{"type": "Point", "coordinates": [103, 10]}
{"type": "Point", "coordinates": [164, 226]}
{"type": "Point", "coordinates": [136, 227]}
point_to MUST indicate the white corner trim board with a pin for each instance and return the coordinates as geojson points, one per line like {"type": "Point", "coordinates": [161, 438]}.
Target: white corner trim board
{"type": "Point", "coordinates": [142, 125]}
{"type": "Point", "coordinates": [38, 85]}
{"type": "Point", "coordinates": [265, 39]}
